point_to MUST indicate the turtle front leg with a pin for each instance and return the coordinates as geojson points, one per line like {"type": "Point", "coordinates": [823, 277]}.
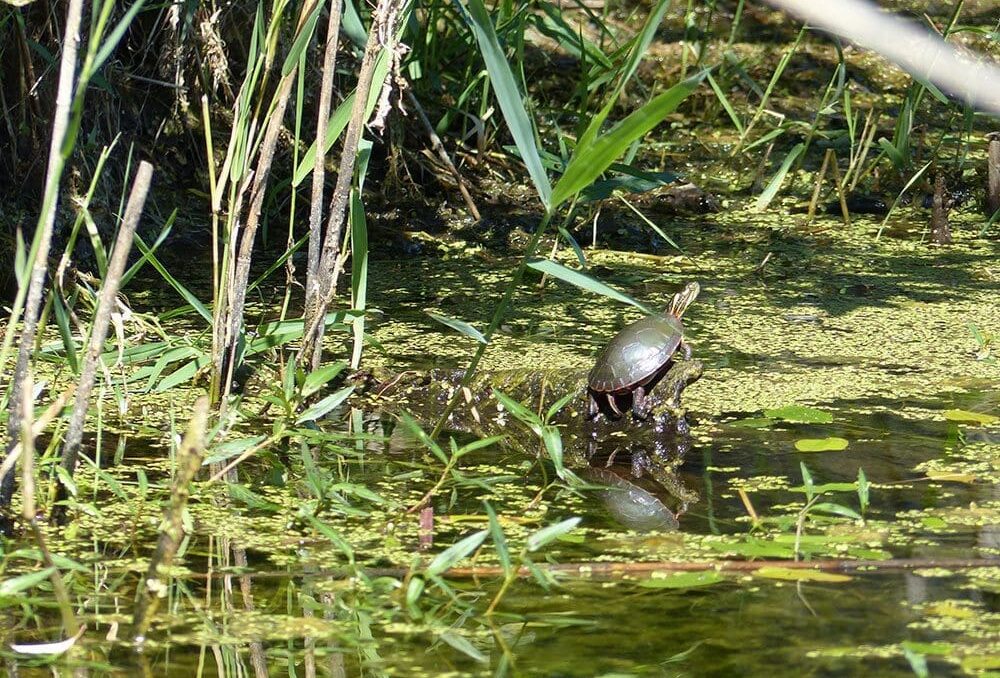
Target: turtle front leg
{"type": "Point", "coordinates": [592, 408]}
{"type": "Point", "coordinates": [638, 402]}
{"type": "Point", "coordinates": [686, 350]}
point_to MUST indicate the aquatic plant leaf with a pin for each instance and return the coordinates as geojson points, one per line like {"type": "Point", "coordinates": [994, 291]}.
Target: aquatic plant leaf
{"type": "Point", "coordinates": [971, 417]}
{"type": "Point", "coordinates": [950, 476]}
{"type": "Point", "coordinates": [421, 435]}
{"type": "Point", "coordinates": [640, 45]}
{"type": "Point", "coordinates": [753, 549]}
{"type": "Point", "coordinates": [459, 325]}
{"type": "Point", "coordinates": [499, 541]}
{"type": "Point", "coordinates": [56, 648]}
{"type": "Point", "coordinates": [182, 374]}
{"type": "Point", "coordinates": [251, 499]}
{"type": "Point", "coordinates": [831, 444]}
{"type": "Point", "coordinates": [799, 414]}
{"type": "Point", "coordinates": [340, 117]}
{"type": "Point", "coordinates": [548, 534]}
{"type": "Point", "coordinates": [827, 487]}
{"type": "Point", "coordinates": [793, 574]}
{"type": "Point", "coordinates": [107, 47]}
{"type": "Point", "coordinates": [591, 160]}
{"type": "Point", "coordinates": [632, 180]}
{"type": "Point", "coordinates": [510, 99]}
{"type": "Point", "coordinates": [445, 560]}
{"type": "Point", "coordinates": [317, 379]}
{"type": "Point", "coordinates": [938, 649]}
{"type": "Point", "coordinates": [584, 281]}
{"type": "Point", "coordinates": [414, 590]}
{"type": "Point", "coordinates": [981, 662]}
{"type": "Point", "coordinates": [325, 405]}
{"type": "Point", "coordinates": [778, 179]}
{"type": "Point", "coordinates": [683, 580]}
{"type": "Point", "coordinates": [520, 411]}
{"type": "Point", "coordinates": [894, 155]}
{"type": "Point", "coordinates": [836, 509]}
{"type": "Point", "coordinates": [917, 662]}
{"type": "Point", "coordinates": [230, 449]}
{"type": "Point", "coordinates": [726, 104]}
{"type": "Point", "coordinates": [463, 645]}
{"type": "Point", "coordinates": [23, 582]}
{"type": "Point", "coordinates": [302, 40]}
{"type": "Point", "coordinates": [558, 405]}
{"type": "Point", "coordinates": [752, 422]}
{"type": "Point", "coordinates": [185, 293]}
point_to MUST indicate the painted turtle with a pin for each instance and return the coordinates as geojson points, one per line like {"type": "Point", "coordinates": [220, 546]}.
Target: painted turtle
{"type": "Point", "coordinates": [638, 357]}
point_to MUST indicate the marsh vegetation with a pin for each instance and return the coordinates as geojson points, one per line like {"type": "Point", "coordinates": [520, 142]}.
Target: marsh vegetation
{"type": "Point", "coordinates": [300, 302]}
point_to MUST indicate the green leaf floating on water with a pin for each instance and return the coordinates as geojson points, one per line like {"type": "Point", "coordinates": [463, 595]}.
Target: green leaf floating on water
{"type": "Point", "coordinates": [831, 444]}
{"type": "Point", "coordinates": [752, 422]}
{"type": "Point", "coordinates": [793, 574]}
{"type": "Point", "coordinates": [683, 580]}
{"type": "Point", "coordinates": [971, 417]}
{"type": "Point", "coordinates": [799, 414]}
{"type": "Point", "coordinates": [459, 325]}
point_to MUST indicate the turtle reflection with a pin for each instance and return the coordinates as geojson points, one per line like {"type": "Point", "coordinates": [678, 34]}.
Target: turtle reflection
{"type": "Point", "coordinates": [643, 489]}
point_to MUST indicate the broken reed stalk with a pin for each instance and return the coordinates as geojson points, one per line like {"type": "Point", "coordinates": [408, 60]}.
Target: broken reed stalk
{"type": "Point", "coordinates": [940, 230]}
{"type": "Point", "coordinates": [819, 185]}
{"type": "Point", "coordinates": [102, 318]}
{"type": "Point", "coordinates": [189, 456]}
{"type": "Point", "coordinates": [31, 298]}
{"type": "Point", "coordinates": [28, 511]}
{"type": "Point", "coordinates": [443, 156]}
{"type": "Point", "coordinates": [841, 194]}
{"type": "Point", "coordinates": [239, 267]}
{"type": "Point", "coordinates": [381, 35]}
{"type": "Point", "coordinates": [319, 166]}
{"type": "Point", "coordinates": [993, 173]}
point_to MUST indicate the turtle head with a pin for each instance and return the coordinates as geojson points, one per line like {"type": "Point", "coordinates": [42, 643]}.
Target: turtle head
{"type": "Point", "coordinates": [683, 299]}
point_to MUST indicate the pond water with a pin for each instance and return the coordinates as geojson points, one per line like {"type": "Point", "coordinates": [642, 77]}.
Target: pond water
{"type": "Point", "coordinates": [821, 338]}
{"type": "Point", "coordinates": [755, 623]}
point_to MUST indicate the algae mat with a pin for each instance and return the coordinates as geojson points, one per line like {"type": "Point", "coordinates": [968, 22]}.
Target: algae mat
{"type": "Point", "coordinates": [787, 314]}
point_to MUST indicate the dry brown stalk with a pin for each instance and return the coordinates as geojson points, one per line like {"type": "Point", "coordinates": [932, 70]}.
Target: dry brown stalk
{"type": "Point", "coordinates": [319, 167]}
{"type": "Point", "coordinates": [39, 266]}
{"type": "Point", "coordinates": [381, 35]}
{"type": "Point", "coordinates": [443, 156]}
{"type": "Point", "coordinates": [238, 273]}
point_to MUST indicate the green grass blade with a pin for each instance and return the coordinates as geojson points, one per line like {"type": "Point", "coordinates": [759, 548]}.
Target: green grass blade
{"type": "Point", "coordinates": [589, 162]}
{"type": "Point", "coordinates": [499, 541]}
{"type": "Point", "coordinates": [726, 104]}
{"type": "Point", "coordinates": [774, 185]}
{"type": "Point", "coordinates": [639, 47]}
{"type": "Point", "coordinates": [338, 121]}
{"type": "Point", "coordinates": [453, 554]}
{"type": "Point", "coordinates": [109, 45]}
{"type": "Point", "coordinates": [585, 282]}
{"type": "Point", "coordinates": [65, 331]}
{"type": "Point", "coordinates": [173, 282]}
{"type": "Point", "coordinates": [302, 41]}
{"type": "Point", "coordinates": [459, 326]}
{"type": "Point", "coordinates": [510, 99]}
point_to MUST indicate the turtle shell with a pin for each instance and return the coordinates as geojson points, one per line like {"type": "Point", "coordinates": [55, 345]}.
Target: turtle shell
{"type": "Point", "coordinates": [636, 354]}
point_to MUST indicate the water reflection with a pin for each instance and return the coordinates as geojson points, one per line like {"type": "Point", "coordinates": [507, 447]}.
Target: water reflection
{"type": "Point", "coordinates": [644, 491]}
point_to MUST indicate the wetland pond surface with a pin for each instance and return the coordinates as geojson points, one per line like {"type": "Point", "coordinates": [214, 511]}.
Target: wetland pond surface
{"type": "Point", "coordinates": [844, 415]}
